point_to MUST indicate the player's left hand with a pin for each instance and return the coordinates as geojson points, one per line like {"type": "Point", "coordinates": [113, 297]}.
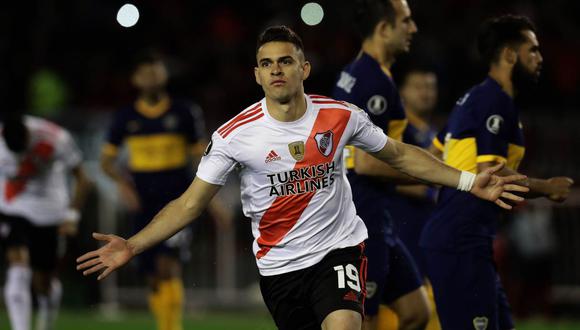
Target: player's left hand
{"type": "Point", "coordinates": [494, 188]}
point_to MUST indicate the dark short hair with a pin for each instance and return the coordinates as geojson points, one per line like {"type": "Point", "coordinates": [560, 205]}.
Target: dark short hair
{"type": "Point", "coordinates": [498, 32]}
{"type": "Point", "coordinates": [414, 68]}
{"type": "Point", "coordinates": [279, 33]}
{"type": "Point", "coordinates": [368, 13]}
{"type": "Point", "coordinates": [14, 132]}
{"type": "Point", "coordinates": [146, 56]}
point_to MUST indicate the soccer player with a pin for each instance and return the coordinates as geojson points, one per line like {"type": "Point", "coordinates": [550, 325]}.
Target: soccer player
{"type": "Point", "coordinates": [387, 28]}
{"type": "Point", "coordinates": [483, 130]}
{"type": "Point", "coordinates": [413, 204]}
{"type": "Point", "coordinates": [37, 157]}
{"type": "Point", "coordinates": [162, 135]}
{"type": "Point", "coordinates": [287, 149]}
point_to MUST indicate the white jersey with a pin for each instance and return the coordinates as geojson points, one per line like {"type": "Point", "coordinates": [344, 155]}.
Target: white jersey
{"type": "Point", "coordinates": [293, 187]}
{"type": "Point", "coordinates": [34, 185]}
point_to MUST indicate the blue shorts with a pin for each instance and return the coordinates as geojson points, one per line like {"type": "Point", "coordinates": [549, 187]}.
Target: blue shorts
{"type": "Point", "coordinates": [468, 292]}
{"type": "Point", "coordinates": [392, 273]}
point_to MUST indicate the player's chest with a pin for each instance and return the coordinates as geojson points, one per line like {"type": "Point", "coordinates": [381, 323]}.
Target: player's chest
{"type": "Point", "coordinates": [279, 150]}
{"type": "Point", "coordinates": [167, 123]}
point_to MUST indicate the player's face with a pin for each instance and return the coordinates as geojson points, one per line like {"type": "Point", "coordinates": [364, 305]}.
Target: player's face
{"type": "Point", "coordinates": [150, 77]}
{"type": "Point", "coordinates": [529, 57]}
{"type": "Point", "coordinates": [404, 29]}
{"type": "Point", "coordinates": [420, 92]}
{"type": "Point", "coordinates": [281, 70]}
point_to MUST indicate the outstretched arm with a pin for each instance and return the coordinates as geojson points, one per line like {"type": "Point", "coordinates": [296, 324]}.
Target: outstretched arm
{"type": "Point", "coordinates": [172, 218]}
{"type": "Point", "coordinates": [556, 189]}
{"type": "Point", "coordinates": [423, 166]}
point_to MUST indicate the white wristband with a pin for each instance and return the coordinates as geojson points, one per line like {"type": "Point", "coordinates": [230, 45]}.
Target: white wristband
{"type": "Point", "coordinates": [466, 181]}
{"type": "Point", "coordinates": [72, 215]}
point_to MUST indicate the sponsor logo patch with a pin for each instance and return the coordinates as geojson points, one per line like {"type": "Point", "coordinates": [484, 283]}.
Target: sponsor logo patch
{"type": "Point", "coordinates": [480, 323]}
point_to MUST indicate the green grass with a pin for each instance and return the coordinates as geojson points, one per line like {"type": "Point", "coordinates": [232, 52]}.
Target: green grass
{"type": "Point", "coordinates": [87, 320]}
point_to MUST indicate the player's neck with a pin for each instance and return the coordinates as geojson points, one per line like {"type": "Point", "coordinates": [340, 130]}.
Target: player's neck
{"type": "Point", "coordinates": [503, 77]}
{"type": "Point", "coordinates": [417, 120]}
{"type": "Point", "coordinates": [152, 98]}
{"type": "Point", "coordinates": [287, 111]}
{"type": "Point", "coordinates": [380, 53]}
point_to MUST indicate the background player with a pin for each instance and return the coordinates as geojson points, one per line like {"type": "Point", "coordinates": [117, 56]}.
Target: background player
{"type": "Point", "coordinates": [387, 28]}
{"type": "Point", "coordinates": [288, 151]}
{"type": "Point", "coordinates": [162, 136]}
{"type": "Point", "coordinates": [413, 204]}
{"type": "Point", "coordinates": [37, 158]}
{"type": "Point", "coordinates": [484, 130]}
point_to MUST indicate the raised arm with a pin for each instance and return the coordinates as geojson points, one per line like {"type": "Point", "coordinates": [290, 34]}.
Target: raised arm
{"type": "Point", "coordinates": [173, 217]}
{"type": "Point", "coordinates": [423, 166]}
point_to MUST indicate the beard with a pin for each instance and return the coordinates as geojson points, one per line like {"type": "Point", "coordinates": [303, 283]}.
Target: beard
{"type": "Point", "coordinates": [523, 79]}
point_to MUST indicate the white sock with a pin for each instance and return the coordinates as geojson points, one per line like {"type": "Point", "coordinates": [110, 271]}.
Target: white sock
{"type": "Point", "coordinates": [17, 296]}
{"type": "Point", "coordinates": [48, 306]}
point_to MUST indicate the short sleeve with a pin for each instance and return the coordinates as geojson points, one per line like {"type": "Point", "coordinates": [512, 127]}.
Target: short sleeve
{"type": "Point", "coordinates": [217, 162]}
{"type": "Point", "coordinates": [68, 151]}
{"type": "Point", "coordinates": [439, 139]}
{"type": "Point", "coordinates": [367, 135]}
{"type": "Point", "coordinates": [117, 129]}
{"type": "Point", "coordinates": [492, 131]}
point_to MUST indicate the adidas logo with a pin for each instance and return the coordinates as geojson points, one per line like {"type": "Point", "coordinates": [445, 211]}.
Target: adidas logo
{"type": "Point", "coordinates": [350, 296]}
{"type": "Point", "coordinates": [272, 156]}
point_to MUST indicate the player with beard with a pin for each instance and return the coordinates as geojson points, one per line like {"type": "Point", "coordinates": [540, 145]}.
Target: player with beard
{"type": "Point", "coordinates": [483, 130]}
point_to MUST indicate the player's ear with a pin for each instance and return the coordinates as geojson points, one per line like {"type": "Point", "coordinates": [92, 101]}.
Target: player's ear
{"type": "Point", "coordinates": [257, 75]}
{"type": "Point", "coordinates": [306, 67]}
{"type": "Point", "coordinates": [509, 55]}
{"type": "Point", "coordinates": [383, 29]}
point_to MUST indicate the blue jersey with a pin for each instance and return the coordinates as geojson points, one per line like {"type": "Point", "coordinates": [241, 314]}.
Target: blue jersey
{"type": "Point", "coordinates": [483, 127]}
{"type": "Point", "coordinates": [365, 84]}
{"type": "Point", "coordinates": [159, 141]}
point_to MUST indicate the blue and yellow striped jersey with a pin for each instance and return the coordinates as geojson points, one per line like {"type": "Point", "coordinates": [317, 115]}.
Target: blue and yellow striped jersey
{"type": "Point", "coordinates": [369, 86]}
{"type": "Point", "coordinates": [483, 127]}
{"type": "Point", "coordinates": [159, 141]}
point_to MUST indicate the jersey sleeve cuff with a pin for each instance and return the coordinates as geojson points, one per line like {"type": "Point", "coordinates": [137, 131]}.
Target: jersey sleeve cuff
{"type": "Point", "coordinates": [380, 145]}
{"type": "Point", "coordinates": [437, 144]}
{"type": "Point", "coordinates": [211, 180]}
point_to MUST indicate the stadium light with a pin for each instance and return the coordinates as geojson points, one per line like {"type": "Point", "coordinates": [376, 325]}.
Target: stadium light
{"type": "Point", "coordinates": [128, 15]}
{"type": "Point", "coordinates": [312, 13]}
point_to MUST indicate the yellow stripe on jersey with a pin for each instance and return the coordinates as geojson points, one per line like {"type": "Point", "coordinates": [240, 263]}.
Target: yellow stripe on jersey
{"type": "Point", "coordinates": [515, 156]}
{"type": "Point", "coordinates": [437, 144]}
{"type": "Point", "coordinates": [491, 158]}
{"type": "Point", "coordinates": [461, 154]}
{"type": "Point", "coordinates": [109, 149]}
{"type": "Point", "coordinates": [396, 129]}
{"type": "Point", "coordinates": [157, 152]}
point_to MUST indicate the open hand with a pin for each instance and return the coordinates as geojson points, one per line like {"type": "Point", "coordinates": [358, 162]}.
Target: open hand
{"type": "Point", "coordinates": [108, 258]}
{"type": "Point", "coordinates": [494, 188]}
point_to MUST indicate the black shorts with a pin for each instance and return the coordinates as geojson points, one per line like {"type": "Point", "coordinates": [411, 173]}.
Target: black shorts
{"type": "Point", "coordinates": [303, 298]}
{"type": "Point", "coordinates": [42, 242]}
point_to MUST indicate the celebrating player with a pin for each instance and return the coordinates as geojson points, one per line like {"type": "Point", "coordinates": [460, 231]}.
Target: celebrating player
{"type": "Point", "coordinates": [287, 149]}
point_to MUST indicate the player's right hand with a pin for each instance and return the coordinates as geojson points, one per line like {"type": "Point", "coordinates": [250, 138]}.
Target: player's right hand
{"type": "Point", "coordinates": [108, 258]}
{"type": "Point", "coordinates": [559, 188]}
